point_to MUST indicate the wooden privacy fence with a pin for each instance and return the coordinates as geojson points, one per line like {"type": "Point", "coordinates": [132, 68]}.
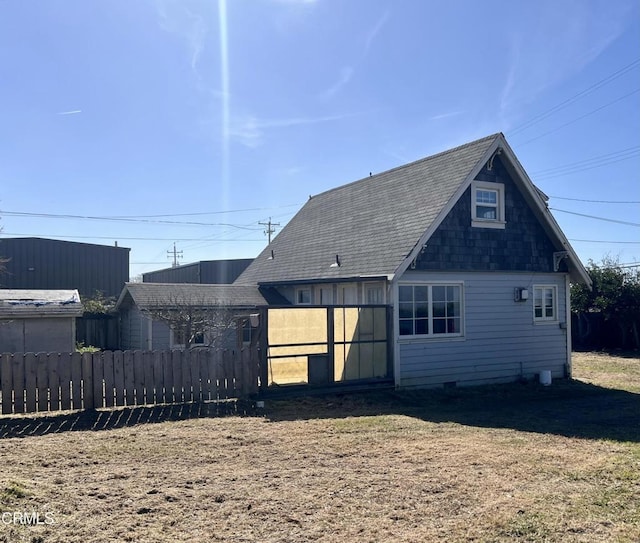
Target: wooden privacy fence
{"type": "Point", "coordinates": [60, 381]}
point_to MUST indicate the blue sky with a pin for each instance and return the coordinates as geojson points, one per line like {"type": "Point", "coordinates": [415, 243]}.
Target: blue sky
{"type": "Point", "coordinates": [192, 121]}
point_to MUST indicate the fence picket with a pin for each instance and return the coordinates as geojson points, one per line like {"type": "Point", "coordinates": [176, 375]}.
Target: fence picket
{"type": "Point", "coordinates": [7, 380]}
{"type": "Point", "coordinates": [167, 377]}
{"type": "Point", "coordinates": [30, 369]}
{"type": "Point", "coordinates": [64, 375]}
{"type": "Point", "coordinates": [82, 388]}
{"type": "Point", "coordinates": [107, 361]}
{"type": "Point", "coordinates": [18, 374]}
{"type": "Point", "coordinates": [53, 381]}
{"type": "Point", "coordinates": [149, 396]}
{"type": "Point", "coordinates": [118, 377]}
{"type": "Point", "coordinates": [138, 376]}
{"type": "Point", "coordinates": [129, 377]}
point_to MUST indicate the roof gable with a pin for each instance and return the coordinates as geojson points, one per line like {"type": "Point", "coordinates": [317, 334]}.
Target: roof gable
{"type": "Point", "coordinates": [372, 225]}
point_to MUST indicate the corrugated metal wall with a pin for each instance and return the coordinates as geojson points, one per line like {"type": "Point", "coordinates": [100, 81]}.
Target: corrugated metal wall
{"type": "Point", "coordinates": [37, 263]}
{"type": "Point", "coordinates": [213, 272]}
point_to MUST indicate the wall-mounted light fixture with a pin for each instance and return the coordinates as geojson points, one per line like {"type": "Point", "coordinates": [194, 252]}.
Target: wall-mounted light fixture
{"type": "Point", "coordinates": [520, 294]}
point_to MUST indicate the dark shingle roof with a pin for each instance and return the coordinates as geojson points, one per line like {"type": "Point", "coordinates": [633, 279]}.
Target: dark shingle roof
{"type": "Point", "coordinates": [372, 224]}
{"type": "Point", "coordinates": [147, 295]}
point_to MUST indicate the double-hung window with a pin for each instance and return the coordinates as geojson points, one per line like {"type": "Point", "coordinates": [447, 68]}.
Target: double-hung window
{"type": "Point", "coordinates": [487, 205]}
{"type": "Point", "coordinates": [430, 310]}
{"type": "Point", "coordinates": [545, 303]}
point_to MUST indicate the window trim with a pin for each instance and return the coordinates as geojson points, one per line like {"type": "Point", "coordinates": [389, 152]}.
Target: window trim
{"type": "Point", "coordinates": [366, 287]}
{"type": "Point", "coordinates": [434, 337]}
{"type": "Point", "coordinates": [479, 222]}
{"type": "Point", "coordinates": [300, 291]}
{"type": "Point", "coordinates": [174, 335]}
{"type": "Point", "coordinates": [543, 319]}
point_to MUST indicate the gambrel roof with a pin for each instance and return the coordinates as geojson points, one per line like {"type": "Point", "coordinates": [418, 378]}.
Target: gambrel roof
{"type": "Point", "coordinates": [374, 227]}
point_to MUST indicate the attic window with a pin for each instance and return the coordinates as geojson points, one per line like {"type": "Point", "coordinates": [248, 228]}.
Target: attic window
{"type": "Point", "coordinates": [487, 205]}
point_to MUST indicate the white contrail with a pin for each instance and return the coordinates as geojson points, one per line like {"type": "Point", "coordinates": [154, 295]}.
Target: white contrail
{"type": "Point", "coordinates": [74, 112]}
{"type": "Point", "coordinates": [224, 78]}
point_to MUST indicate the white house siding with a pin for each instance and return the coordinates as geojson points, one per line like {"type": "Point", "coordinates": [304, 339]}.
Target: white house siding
{"type": "Point", "coordinates": [501, 342]}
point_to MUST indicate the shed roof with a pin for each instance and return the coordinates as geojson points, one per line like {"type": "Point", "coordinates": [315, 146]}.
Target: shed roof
{"type": "Point", "coordinates": [29, 303]}
{"type": "Point", "coordinates": [150, 295]}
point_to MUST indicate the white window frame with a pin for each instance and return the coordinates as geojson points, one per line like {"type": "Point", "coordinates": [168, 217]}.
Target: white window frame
{"type": "Point", "coordinates": [299, 293]}
{"type": "Point", "coordinates": [174, 345]}
{"type": "Point", "coordinates": [430, 335]}
{"type": "Point", "coordinates": [544, 319]}
{"type": "Point", "coordinates": [480, 222]}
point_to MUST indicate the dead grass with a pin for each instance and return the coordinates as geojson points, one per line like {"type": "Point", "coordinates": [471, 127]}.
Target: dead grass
{"type": "Point", "coordinates": [518, 463]}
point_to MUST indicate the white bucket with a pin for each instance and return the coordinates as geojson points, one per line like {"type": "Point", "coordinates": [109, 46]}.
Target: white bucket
{"type": "Point", "coordinates": [545, 377]}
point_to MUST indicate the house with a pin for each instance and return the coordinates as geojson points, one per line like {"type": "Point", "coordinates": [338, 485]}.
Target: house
{"type": "Point", "coordinates": [215, 272]}
{"type": "Point", "coordinates": [38, 320]}
{"type": "Point", "coordinates": [173, 315]}
{"type": "Point", "coordinates": [463, 248]}
{"type": "Point", "coordinates": [40, 263]}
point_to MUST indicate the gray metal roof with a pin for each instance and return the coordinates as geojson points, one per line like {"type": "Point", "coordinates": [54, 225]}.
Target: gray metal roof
{"type": "Point", "coordinates": [149, 295]}
{"type": "Point", "coordinates": [30, 303]}
{"type": "Point", "coordinates": [371, 224]}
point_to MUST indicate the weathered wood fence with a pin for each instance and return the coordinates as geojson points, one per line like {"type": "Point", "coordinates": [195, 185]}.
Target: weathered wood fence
{"type": "Point", "coordinates": [60, 381]}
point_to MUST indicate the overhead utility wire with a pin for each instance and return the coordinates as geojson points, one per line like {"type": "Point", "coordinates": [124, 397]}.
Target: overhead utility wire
{"type": "Point", "coordinates": [93, 218]}
{"type": "Point", "coordinates": [588, 164]}
{"type": "Point", "coordinates": [536, 119]}
{"type": "Point", "coordinates": [594, 217]}
{"type": "Point", "coordinates": [201, 213]}
{"type": "Point", "coordinates": [604, 241]}
{"type": "Point", "coordinates": [579, 118]}
{"type": "Point", "coordinates": [596, 201]}
{"type": "Point", "coordinates": [129, 238]}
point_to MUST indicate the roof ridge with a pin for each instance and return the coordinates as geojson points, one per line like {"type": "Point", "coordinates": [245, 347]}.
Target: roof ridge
{"type": "Point", "coordinates": [413, 163]}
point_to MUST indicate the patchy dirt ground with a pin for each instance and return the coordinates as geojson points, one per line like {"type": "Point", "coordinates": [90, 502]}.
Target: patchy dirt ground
{"type": "Point", "coordinates": [508, 463]}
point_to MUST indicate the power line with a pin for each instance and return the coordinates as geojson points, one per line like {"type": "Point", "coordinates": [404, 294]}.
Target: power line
{"type": "Point", "coordinates": [594, 217]}
{"type": "Point", "coordinates": [579, 118]}
{"type": "Point", "coordinates": [588, 164]}
{"type": "Point", "coordinates": [96, 218]}
{"type": "Point", "coordinates": [596, 201]}
{"type": "Point", "coordinates": [129, 238]}
{"type": "Point", "coordinates": [604, 241]}
{"type": "Point", "coordinates": [536, 119]}
{"type": "Point", "coordinates": [200, 213]}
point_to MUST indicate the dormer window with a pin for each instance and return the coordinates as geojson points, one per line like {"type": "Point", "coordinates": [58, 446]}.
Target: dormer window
{"type": "Point", "coordinates": [487, 205]}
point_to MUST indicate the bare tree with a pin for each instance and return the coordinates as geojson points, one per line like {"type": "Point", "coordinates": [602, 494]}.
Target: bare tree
{"type": "Point", "coordinates": [194, 322]}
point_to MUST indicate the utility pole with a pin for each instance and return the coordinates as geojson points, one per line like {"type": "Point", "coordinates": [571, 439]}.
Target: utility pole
{"type": "Point", "coordinates": [176, 255]}
{"type": "Point", "coordinates": [270, 230]}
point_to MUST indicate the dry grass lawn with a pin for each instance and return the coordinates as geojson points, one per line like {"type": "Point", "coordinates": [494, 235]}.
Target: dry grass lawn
{"type": "Point", "coordinates": [506, 463]}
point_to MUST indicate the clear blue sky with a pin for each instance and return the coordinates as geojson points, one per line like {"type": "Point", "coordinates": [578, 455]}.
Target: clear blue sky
{"type": "Point", "coordinates": [228, 113]}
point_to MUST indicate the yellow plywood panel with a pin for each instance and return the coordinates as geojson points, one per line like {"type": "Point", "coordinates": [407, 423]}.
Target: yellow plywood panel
{"type": "Point", "coordinates": [350, 323]}
{"type": "Point", "coordinates": [365, 324]}
{"type": "Point", "coordinates": [339, 357]}
{"type": "Point", "coordinates": [288, 371]}
{"type": "Point", "coordinates": [380, 323]}
{"type": "Point", "coordinates": [298, 350]}
{"type": "Point", "coordinates": [380, 359]}
{"type": "Point", "coordinates": [297, 325]}
{"type": "Point", "coordinates": [366, 361]}
{"type": "Point", "coordinates": [352, 362]}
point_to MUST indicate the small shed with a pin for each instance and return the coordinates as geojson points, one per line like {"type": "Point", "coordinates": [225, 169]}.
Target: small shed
{"type": "Point", "coordinates": [38, 320]}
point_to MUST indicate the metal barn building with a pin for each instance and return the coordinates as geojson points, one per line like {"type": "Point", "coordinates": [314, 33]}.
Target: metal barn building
{"type": "Point", "coordinates": [214, 272]}
{"type": "Point", "coordinates": [39, 263]}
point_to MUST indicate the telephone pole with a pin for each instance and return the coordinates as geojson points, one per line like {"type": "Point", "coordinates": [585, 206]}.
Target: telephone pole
{"type": "Point", "coordinates": [270, 230]}
{"type": "Point", "coordinates": [176, 255]}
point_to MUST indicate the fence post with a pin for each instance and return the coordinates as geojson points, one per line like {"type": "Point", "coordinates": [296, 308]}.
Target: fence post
{"type": "Point", "coordinates": [87, 381]}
